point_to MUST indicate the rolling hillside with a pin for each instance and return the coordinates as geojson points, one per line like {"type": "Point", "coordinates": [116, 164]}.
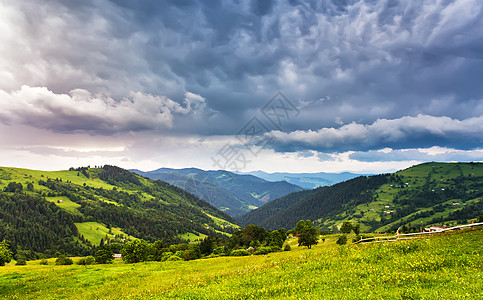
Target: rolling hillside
{"type": "Point", "coordinates": [429, 193]}
{"type": "Point", "coordinates": [232, 193]}
{"type": "Point", "coordinates": [73, 210]}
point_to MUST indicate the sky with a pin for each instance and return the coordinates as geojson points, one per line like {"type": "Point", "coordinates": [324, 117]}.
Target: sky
{"type": "Point", "coordinates": [281, 86]}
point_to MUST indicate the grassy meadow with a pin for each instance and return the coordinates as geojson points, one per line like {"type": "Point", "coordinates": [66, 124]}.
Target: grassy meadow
{"type": "Point", "coordinates": [443, 266]}
{"type": "Point", "coordinates": [414, 177]}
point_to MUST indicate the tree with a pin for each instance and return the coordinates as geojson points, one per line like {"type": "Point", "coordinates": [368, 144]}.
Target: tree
{"type": "Point", "coordinates": [5, 253]}
{"type": "Point", "coordinates": [104, 255]}
{"type": "Point", "coordinates": [135, 251]}
{"type": "Point", "coordinates": [206, 246]}
{"type": "Point", "coordinates": [13, 187]}
{"type": "Point", "coordinates": [342, 240]}
{"type": "Point", "coordinates": [357, 228]}
{"type": "Point", "coordinates": [299, 227]}
{"type": "Point", "coordinates": [277, 238]}
{"type": "Point", "coordinates": [309, 235]}
{"type": "Point", "coordinates": [346, 227]}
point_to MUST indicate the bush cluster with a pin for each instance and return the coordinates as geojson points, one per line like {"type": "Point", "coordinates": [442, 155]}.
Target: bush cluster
{"type": "Point", "coordinates": [62, 260]}
{"type": "Point", "coordinates": [89, 260]}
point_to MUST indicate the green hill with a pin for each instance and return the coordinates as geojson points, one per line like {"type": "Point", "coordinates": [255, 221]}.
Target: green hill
{"type": "Point", "coordinates": [429, 193]}
{"type": "Point", "coordinates": [71, 211]}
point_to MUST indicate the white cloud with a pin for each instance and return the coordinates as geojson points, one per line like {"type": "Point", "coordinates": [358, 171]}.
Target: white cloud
{"type": "Point", "coordinates": [405, 130]}
{"type": "Point", "coordinates": [81, 110]}
{"type": "Point", "coordinates": [423, 154]}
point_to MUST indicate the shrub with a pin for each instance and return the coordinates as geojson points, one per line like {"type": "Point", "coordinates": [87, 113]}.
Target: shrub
{"type": "Point", "coordinates": [181, 254]}
{"type": "Point", "coordinates": [356, 238]}
{"type": "Point", "coordinates": [89, 260]}
{"type": "Point", "coordinates": [44, 262]}
{"type": "Point", "coordinates": [275, 248]}
{"type": "Point", "coordinates": [174, 258]}
{"type": "Point", "coordinates": [166, 255]}
{"type": "Point", "coordinates": [342, 240]}
{"type": "Point", "coordinates": [21, 262]}
{"type": "Point", "coordinates": [287, 248]}
{"type": "Point", "coordinates": [263, 251]}
{"type": "Point", "coordinates": [210, 256]}
{"type": "Point", "coordinates": [219, 251]}
{"type": "Point", "coordinates": [240, 252]}
{"type": "Point", "coordinates": [62, 260]}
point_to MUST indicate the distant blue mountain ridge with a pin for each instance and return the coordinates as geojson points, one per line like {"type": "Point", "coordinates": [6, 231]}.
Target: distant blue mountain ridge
{"type": "Point", "coordinates": [306, 180]}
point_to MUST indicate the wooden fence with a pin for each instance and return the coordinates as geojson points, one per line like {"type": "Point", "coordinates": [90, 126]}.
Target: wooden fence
{"type": "Point", "coordinates": [408, 236]}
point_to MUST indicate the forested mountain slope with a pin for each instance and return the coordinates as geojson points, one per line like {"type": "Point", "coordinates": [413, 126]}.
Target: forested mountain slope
{"type": "Point", "coordinates": [263, 216]}
{"type": "Point", "coordinates": [72, 210]}
{"type": "Point", "coordinates": [429, 193]}
{"type": "Point", "coordinates": [232, 193]}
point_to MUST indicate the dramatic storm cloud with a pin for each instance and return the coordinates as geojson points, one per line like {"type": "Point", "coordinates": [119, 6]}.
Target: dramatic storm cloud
{"type": "Point", "coordinates": [154, 83]}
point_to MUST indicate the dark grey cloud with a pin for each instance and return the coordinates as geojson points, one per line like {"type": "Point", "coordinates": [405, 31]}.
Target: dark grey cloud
{"type": "Point", "coordinates": [368, 60]}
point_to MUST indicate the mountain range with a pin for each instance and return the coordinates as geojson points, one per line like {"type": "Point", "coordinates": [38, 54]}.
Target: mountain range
{"type": "Point", "coordinates": [306, 180]}
{"type": "Point", "coordinates": [232, 193]}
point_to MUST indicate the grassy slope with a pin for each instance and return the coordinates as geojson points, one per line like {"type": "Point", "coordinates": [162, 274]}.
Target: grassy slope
{"type": "Point", "coordinates": [446, 266]}
{"type": "Point", "coordinates": [94, 232]}
{"type": "Point", "coordinates": [65, 203]}
{"type": "Point", "coordinates": [25, 175]}
{"type": "Point", "coordinates": [415, 177]}
{"type": "Point", "coordinates": [91, 233]}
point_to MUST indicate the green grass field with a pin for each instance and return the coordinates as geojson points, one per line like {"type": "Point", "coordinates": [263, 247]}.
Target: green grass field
{"type": "Point", "coordinates": [94, 232]}
{"type": "Point", "coordinates": [65, 203]}
{"type": "Point", "coordinates": [192, 237]}
{"type": "Point", "coordinates": [445, 266]}
{"type": "Point", "coordinates": [25, 175]}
